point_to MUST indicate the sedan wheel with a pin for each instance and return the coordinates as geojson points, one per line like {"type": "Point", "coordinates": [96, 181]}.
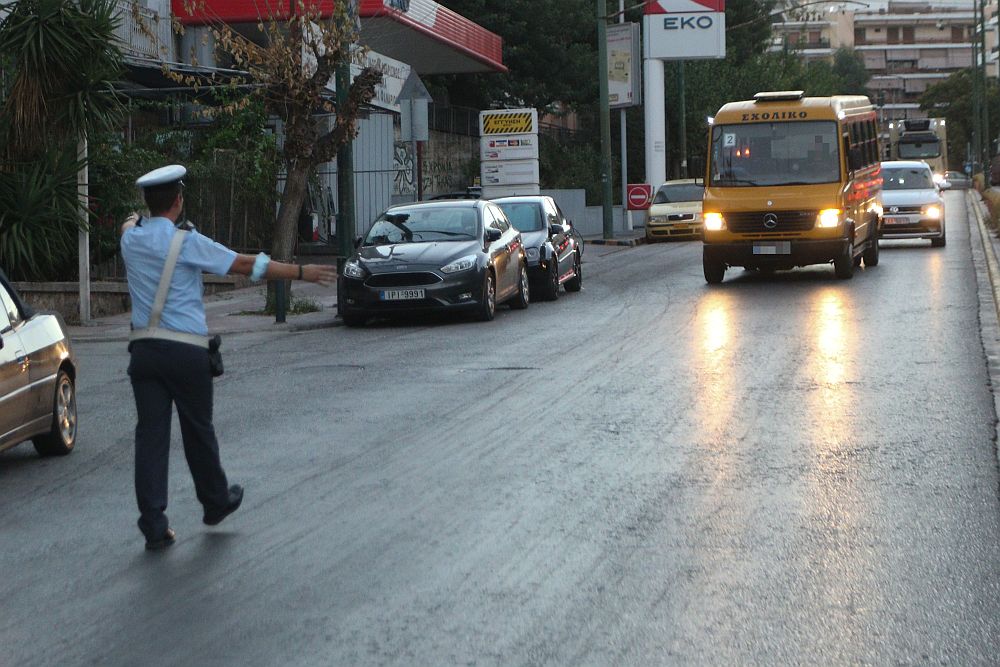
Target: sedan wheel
{"type": "Point", "coordinates": [521, 299]}
{"type": "Point", "coordinates": [488, 303]}
{"type": "Point", "coordinates": [61, 437]}
{"type": "Point", "coordinates": [551, 288]}
{"type": "Point", "coordinates": [576, 282]}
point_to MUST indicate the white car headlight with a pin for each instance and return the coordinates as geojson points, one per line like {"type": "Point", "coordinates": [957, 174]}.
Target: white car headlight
{"type": "Point", "coordinates": [828, 217]}
{"type": "Point", "coordinates": [353, 269]}
{"type": "Point", "coordinates": [714, 222]}
{"type": "Point", "coordinates": [932, 211]}
{"type": "Point", "coordinates": [460, 264]}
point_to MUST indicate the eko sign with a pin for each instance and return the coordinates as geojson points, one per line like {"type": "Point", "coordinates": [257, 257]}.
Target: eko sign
{"type": "Point", "coordinates": [685, 29]}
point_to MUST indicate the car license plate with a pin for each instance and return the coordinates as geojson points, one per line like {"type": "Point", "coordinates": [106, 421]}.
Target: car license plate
{"type": "Point", "coordinates": [896, 220]}
{"type": "Point", "coordinates": [401, 294]}
{"type": "Point", "coordinates": [777, 248]}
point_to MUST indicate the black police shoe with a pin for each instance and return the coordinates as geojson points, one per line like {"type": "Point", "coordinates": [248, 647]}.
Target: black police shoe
{"type": "Point", "coordinates": [215, 517]}
{"type": "Point", "coordinates": [168, 538]}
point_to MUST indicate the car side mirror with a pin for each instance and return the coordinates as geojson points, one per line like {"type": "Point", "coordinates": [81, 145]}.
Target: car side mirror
{"type": "Point", "coordinates": [493, 234]}
{"type": "Point", "coordinates": [556, 229]}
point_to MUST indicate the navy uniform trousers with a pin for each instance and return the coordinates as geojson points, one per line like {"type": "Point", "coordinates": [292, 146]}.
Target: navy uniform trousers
{"type": "Point", "coordinates": [166, 373]}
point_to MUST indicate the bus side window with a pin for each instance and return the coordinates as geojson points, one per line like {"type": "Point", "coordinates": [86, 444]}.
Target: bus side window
{"type": "Point", "coordinates": [872, 141]}
{"type": "Point", "coordinates": [854, 159]}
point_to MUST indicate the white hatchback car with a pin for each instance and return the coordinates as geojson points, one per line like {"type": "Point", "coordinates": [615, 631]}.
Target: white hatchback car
{"type": "Point", "coordinates": [912, 205]}
{"type": "Point", "coordinates": [676, 210]}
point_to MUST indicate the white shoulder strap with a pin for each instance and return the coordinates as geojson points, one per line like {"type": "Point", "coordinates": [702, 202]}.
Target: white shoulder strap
{"type": "Point", "coordinates": [168, 274]}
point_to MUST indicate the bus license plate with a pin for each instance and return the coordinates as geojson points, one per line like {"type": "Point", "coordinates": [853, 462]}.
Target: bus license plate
{"type": "Point", "coordinates": [897, 220]}
{"type": "Point", "coordinates": [777, 248]}
{"type": "Point", "coordinates": [401, 294]}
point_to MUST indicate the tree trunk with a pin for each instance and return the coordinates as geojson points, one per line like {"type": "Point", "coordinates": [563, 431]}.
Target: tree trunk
{"type": "Point", "coordinates": [286, 226]}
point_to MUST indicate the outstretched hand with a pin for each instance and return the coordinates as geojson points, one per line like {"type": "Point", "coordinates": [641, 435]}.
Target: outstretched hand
{"type": "Point", "coordinates": [323, 274]}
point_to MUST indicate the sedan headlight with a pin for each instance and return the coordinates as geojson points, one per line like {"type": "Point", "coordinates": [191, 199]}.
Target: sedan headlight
{"type": "Point", "coordinates": [828, 217]}
{"type": "Point", "coordinates": [460, 264]}
{"type": "Point", "coordinates": [932, 211]}
{"type": "Point", "coordinates": [532, 254]}
{"type": "Point", "coordinates": [353, 269]}
{"type": "Point", "coordinates": [714, 222]}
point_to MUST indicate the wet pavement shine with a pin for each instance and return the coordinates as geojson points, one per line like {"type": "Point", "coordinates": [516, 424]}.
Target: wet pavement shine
{"type": "Point", "coordinates": [782, 469]}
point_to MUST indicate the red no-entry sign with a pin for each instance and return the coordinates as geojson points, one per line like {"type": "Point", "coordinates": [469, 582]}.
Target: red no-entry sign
{"type": "Point", "coordinates": [639, 195]}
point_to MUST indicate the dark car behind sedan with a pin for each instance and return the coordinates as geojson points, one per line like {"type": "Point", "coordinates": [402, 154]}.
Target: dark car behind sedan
{"type": "Point", "coordinates": [437, 255]}
{"type": "Point", "coordinates": [37, 377]}
{"type": "Point", "coordinates": [552, 246]}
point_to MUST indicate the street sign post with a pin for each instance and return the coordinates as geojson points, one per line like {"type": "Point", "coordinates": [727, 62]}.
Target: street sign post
{"type": "Point", "coordinates": [639, 196]}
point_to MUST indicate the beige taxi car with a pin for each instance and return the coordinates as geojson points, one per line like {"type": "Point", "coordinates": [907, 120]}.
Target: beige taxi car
{"type": "Point", "coordinates": [676, 210]}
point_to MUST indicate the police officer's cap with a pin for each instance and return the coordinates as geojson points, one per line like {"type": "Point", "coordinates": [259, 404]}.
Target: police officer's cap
{"type": "Point", "coordinates": [163, 176]}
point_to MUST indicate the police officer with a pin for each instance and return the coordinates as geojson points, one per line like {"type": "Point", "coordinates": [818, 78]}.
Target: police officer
{"type": "Point", "coordinates": [170, 362]}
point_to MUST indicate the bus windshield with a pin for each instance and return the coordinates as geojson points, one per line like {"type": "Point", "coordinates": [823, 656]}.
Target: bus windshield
{"type": "Point", "coordinates": [915, 150]}
{"type": "Point", "coordinates": [767, 154]}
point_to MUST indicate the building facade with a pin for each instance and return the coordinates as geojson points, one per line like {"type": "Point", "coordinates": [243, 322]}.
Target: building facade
{"type": "Point", "coordinates": [906, 45]}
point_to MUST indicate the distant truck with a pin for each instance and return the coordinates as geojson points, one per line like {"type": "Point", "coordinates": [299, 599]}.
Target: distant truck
{"type": "Point", "coordinates": [920, 139]}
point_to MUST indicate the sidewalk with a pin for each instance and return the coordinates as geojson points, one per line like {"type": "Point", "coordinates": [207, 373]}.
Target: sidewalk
{"type": "Point", "coordinates": [226, 314]}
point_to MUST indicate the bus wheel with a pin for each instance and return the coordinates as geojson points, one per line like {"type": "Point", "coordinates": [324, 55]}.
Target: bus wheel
{"type": "Point", "coordinates": [871, 253]}
{"type": "Point", "coordinates": [843, 265]}
{"type": "Point", "coordinates": [715, 271]}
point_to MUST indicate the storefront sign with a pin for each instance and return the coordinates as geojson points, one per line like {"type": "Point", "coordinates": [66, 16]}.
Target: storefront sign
{"type": "Point", "coordinates": [684, 29]}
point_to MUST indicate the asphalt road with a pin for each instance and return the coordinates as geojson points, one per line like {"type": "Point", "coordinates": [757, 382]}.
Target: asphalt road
{"type": "Point", "coordinates": [779, 470]}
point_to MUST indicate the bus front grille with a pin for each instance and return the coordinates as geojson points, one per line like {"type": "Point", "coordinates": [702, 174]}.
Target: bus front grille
{"type": "Point", "coordinates": [746, 222]}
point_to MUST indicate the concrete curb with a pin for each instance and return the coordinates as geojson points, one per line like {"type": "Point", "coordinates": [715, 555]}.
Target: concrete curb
{"type": "Point", "coordinates": [620, 242]}
{"type": "Point", "coordinates": [985, 253]}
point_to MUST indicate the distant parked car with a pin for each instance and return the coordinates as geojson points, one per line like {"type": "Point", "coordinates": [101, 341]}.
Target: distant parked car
{"type": "Point", "coordinates": [676, 210]}
{"type": "Point", "coordinates": [435, 255]}
{"type": "Point", "coordinates": [37, 377]}
{"type": "Point", "coordinates": [553, 249]}
{"type": "Point", "coordinates": [958, 180]}
{"type": "Point", "coordinates": [912, 205]}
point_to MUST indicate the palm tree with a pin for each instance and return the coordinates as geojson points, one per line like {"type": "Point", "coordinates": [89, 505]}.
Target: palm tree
{"type": "Point", "coordinates": [61, 59]}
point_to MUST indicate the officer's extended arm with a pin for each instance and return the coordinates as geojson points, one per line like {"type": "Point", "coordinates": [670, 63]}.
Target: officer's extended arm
{"type": "Point", "coordinates": [313, 273]}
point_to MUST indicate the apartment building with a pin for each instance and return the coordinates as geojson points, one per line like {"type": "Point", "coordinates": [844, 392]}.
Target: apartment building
{"type": "Point", "coordinates": [906, 45]}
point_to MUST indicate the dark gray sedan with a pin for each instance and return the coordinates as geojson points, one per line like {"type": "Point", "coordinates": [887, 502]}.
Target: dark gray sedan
{"type": "Point", "coordinates": [37, 377]}
{"type": "Point", "coordinates": [552, 246]}
{"type": "Point", "coordinates": [437, 255]}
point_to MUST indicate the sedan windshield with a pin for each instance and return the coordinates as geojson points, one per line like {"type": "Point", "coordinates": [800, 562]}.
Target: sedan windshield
{"type": "Point", "coordinates": [669, 194]}
{"type": "Point", "coordinates": [912, 178]}
{"type": "Point", "coordinates": [525, 216]}
{"type": "Point", "coordinates": [416, 225]}
{"type": "Point", "coordinates": [784, 153]}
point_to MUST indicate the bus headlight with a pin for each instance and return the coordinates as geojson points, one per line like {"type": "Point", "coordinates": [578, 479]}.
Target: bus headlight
{"type": "Point", "coordinates": [828, 217]}
{"type": "Point", "coordinates": [714, 222]}
{"type": "Point", "coordinates": [932, 211]}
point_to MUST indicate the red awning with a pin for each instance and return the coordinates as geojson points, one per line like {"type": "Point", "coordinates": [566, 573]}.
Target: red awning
{"type": "Point", "coordinates": [429, 37]}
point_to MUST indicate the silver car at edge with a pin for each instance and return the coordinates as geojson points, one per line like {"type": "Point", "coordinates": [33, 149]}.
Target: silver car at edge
{"type": "Point", "coordinates": [912, 205]}
{"type": "Point", "coordinates": [37, 377]}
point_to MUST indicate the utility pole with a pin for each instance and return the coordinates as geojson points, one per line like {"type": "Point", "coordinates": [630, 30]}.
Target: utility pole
{"type": "Point", "coordinates": [682, 121]}
{"type": "Point", "coordinates": [626, 214]}
{"type": "Point", "coordinates": [605, 116]}
{"type": "Point", "coordinates": [987, 137]}
{"type": "Point", "coordinates": [974, 72]}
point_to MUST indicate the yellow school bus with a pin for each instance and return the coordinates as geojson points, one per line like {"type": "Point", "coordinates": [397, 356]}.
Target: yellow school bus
{"type": "Point", "coordinates": [792, 181]}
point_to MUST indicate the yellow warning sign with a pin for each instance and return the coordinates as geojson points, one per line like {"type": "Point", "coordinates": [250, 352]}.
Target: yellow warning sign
{"type": "Point", "coordinates": [508, 123]}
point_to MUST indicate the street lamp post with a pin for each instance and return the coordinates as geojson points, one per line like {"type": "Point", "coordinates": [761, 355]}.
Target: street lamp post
{"type": "Point", "coordinates": [605, 116]}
